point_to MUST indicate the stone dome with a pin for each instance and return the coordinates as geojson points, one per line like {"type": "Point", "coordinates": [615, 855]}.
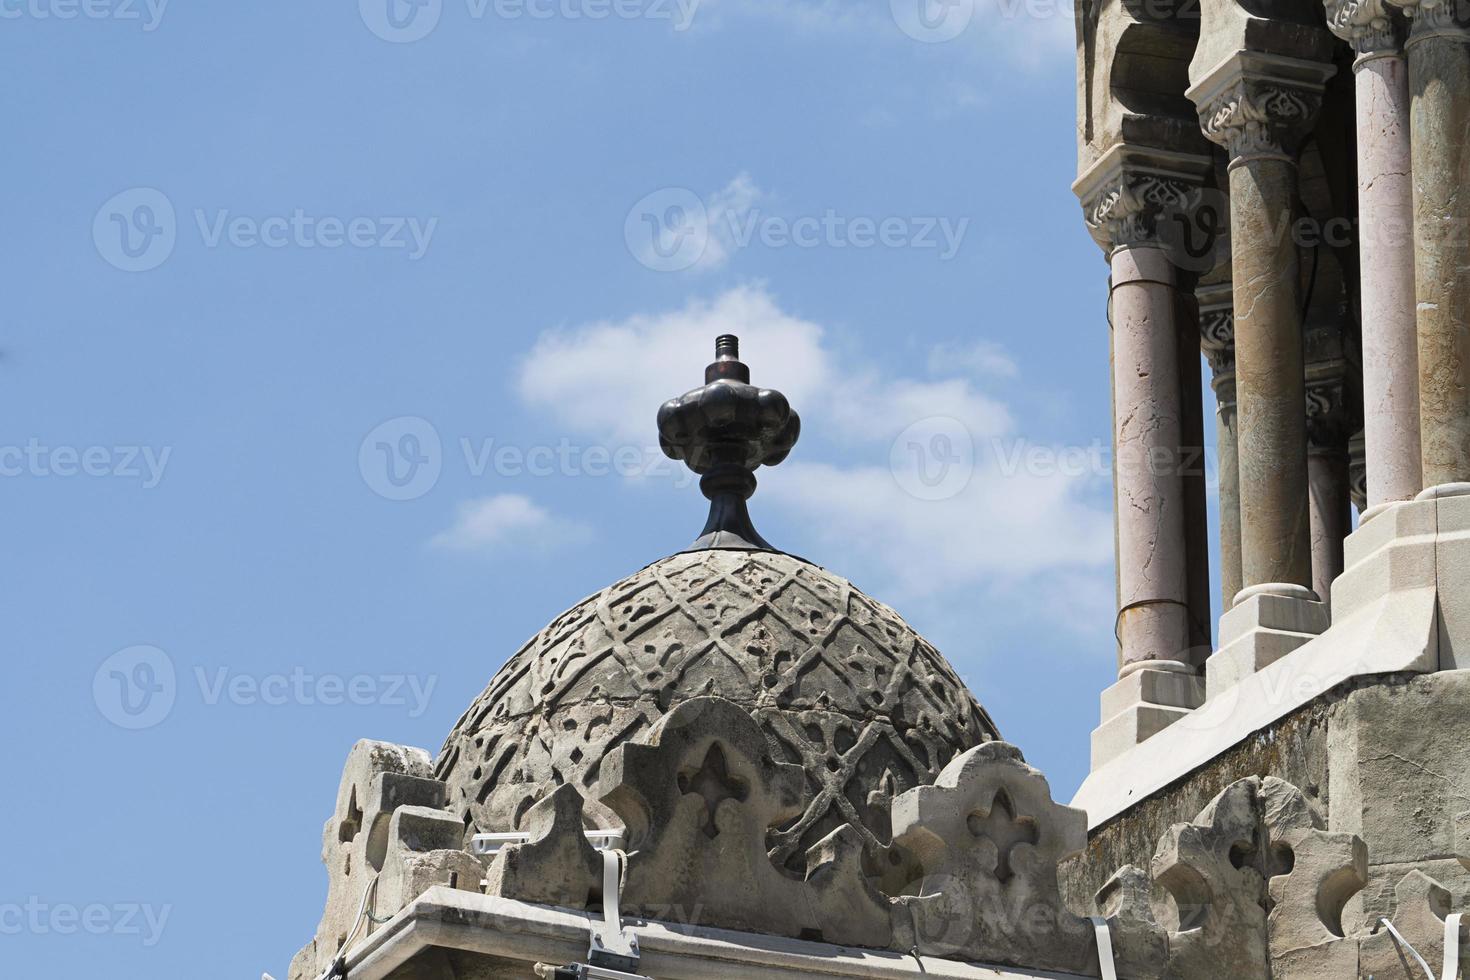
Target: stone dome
{"type": "Point", "coordinates": [838, 682]}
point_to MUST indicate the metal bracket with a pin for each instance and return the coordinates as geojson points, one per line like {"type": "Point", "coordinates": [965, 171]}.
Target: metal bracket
{"type": "Point", "coordinates": [613, 947]}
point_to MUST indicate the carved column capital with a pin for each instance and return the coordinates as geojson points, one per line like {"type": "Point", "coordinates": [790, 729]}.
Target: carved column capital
{"type": "Point", "coordinates": [1368, 25]}
{"type": "Point", "coordinates": [1132, 194]}
{"type": "Point", "coordinates": [1217, 337]}
{"type": "Point", "coordinates": [1435, 18]}
{"type": "Point", "coordinates": [1257, 105]}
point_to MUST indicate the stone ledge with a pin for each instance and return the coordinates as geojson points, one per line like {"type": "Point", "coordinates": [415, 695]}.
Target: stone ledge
{"type": "Point", "coordinates": [1395, 634]}
{"type": "Point", "coordinates": [502, 937]}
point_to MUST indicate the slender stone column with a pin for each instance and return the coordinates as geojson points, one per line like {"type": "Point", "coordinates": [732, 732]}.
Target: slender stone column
{"type": "Point", "coordinates": [1439, 78]}
{"type": "Point", "coordinates": [1327, 481]}
{"type": "Point", "coordinates": [1386, 256]}
{"type": "Point", "coordinates": [1127, 196]}
{"type": "Point", "coordinates": [1259, 107]}
{"type": "Point", "coordinates": [1217, 332]}
{"type": "Point", "coordinates": [1153, 617]}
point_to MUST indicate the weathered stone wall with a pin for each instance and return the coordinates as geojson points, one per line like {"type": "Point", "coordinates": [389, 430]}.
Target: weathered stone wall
{"type": "Point", "coordinates": [1383, 757]}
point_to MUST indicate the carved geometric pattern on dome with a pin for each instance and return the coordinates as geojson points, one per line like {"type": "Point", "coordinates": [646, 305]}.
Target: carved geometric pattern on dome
{"type": "Point", "coordinates": [838, 682]}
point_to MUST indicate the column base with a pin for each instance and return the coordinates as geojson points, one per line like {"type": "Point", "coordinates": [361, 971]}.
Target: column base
{"type": "Point", "coordinates": [1145, 701]}
{"type": "Point", "coordinates": [1266, 623]}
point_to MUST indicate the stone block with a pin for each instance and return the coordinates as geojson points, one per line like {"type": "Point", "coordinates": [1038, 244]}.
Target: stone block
{"type": "Point", "coordinates": [1394, 552]}
{"type": "Point", "coordinates": [1452, 557]}
{"type": "Point", "coordinates": [1259, 630]}
{"type": "Point", "coordinates": [1128, 728]}
{"type": "Point", "coordinates": [1249, 654]}
{"type": "Point", "coordinates": [1280, 613]}
{"type": "Point", "coordinates": [424, 850]}
{"type": "Point", "coordinates": [1399, 767]}
{"type": "Point", "coordinates": [1170, 688]}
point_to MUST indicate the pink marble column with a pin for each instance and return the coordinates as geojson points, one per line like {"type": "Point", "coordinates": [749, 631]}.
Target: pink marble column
{"type": "Point", "coordinates": [1153, 617]}
{"type": "Point", "coordinates": [1386, 252]}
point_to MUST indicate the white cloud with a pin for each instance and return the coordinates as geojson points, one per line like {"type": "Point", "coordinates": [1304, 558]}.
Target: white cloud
{"type": "Point", "coordinates": [982, 358]}
{"type": "Point", "coordinates": [862, 492]}
{"type": "Point", "coordinates": [488, 524]}
{"type": "Point", "coordinates": [607, 378]}
{"type": "Point", "coordinates": [727, 212]}
{"type": "Point", "coordinates": [1032, 34]}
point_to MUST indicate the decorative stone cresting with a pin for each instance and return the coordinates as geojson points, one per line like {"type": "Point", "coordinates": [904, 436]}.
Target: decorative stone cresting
{"type": "Point", "coordinates": [1218, 896]}
{"type": "Point", "coordinates": [1421, 904]}
{"type": "Point", "coordinates": [1324, 870]}
{"type": "Point", "coordinates": [1255, 886]}
{"type": "Point", "coordinates": [386, 825]}
{"type": "Point", "coordinates": [988, 838]}
{"type": "Point", "coordinates": [698, 801]}
{"type": "Point", "coordinates": [557, 866]}
{"type": "Point", "coordinates": [839, 684]}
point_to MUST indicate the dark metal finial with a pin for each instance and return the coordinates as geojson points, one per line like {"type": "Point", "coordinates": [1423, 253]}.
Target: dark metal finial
{"type": "Point", "coordinates": [724, 431]}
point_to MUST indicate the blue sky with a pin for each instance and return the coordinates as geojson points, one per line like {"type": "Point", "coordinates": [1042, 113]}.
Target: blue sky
{"type": "Point", "coordinates": [339, 237]}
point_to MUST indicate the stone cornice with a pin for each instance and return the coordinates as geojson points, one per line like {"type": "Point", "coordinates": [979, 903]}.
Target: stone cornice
{"type": "Point", "coordinates": [1257, 105]}
{"type": "Point", "coordinates": [1127, 193]}
{"type": "Point", "coordinates": [1368, 25]}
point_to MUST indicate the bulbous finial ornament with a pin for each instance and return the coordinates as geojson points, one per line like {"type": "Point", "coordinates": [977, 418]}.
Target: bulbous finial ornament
{"type": "Point", "coordinates": [724, 431]}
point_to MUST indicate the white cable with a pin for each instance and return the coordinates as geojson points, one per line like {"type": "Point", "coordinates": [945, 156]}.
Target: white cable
{"type": "Point", "coordinates": [1412, 951]}
{"type": "Point", "coordinates": [1451, 969]}
{"type": "Point", "coordinates": [1105, 948]}
{"type": "Point", "coordinates": [341, 957]}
